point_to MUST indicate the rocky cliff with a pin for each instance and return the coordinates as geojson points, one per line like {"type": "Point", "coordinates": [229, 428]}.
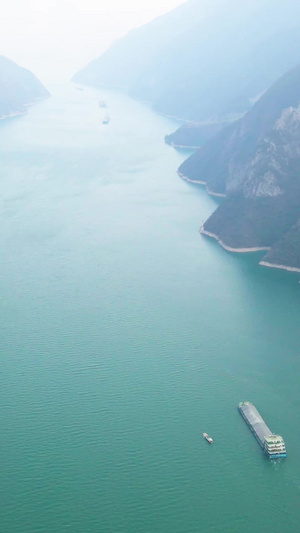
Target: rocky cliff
{"type": "Point", "coordinates": [255, 162]}
{"type": "Point", "coordinates": [18, 88]}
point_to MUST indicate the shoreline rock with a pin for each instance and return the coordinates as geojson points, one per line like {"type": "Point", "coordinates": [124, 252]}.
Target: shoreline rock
{"type": "Point", "coordinates": [249, 250]}
{"type": "Point", "coordinates": [230, 248]}
{"type": "Point", "coordinates": [279, 267]}
{"type": "Point", "coordinates": [198, 182]}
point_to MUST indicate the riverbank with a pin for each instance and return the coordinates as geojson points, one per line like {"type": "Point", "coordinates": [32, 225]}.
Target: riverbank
{"type": "Point", "coordinates": [230, 248]}
{"type": "Point", "coordinates": [280, 267]}
{"type": "Point", "coordinates": [22, 112]}
{"type": "Point", "coordinates": [234, 249]}
{"type": "Point", "coordinates": [248, 250]}
{"type": "Point", "coordinates": [183, 146]}
{"type": "Point", "coordinates": [15, 114]}
{"type": "Point", "coordinates": [198, 182]}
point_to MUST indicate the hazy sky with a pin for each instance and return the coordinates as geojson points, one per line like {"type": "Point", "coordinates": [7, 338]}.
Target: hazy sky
{"type": "Point", "coordinates": [54, 38]}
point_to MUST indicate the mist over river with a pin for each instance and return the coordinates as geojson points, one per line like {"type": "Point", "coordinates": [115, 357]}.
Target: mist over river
{"type": "Point", "coordinates": [126, 334]}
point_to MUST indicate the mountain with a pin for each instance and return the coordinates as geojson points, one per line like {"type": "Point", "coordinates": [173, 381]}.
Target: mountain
{"type": "Point", "coordinates": [255, 163]}
{"type": "Point", "coordinates": [204, 60]}
{"type": "Point", "coordinates": [191, 135]}
{"type": "Point", "coordinates": [18, 88]}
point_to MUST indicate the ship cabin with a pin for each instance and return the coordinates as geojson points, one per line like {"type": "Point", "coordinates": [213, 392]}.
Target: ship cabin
{"type": "Point", "coordinates": [274, 446]}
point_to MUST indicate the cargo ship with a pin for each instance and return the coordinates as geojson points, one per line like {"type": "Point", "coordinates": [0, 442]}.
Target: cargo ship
{"type": "Point", "coordinates": [272, 445]}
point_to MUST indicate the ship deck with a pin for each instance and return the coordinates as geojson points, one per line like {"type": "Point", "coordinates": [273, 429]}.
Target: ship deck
{"type": "Point", "coordinates": [255, 421]}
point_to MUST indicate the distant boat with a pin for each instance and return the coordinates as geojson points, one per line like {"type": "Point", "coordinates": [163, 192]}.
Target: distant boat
{"type": "Point", "coordinates": [106, 119]}
{"type": "Point", "coordinates": [209, 439]}
{"type": "Point", "coordinates": [79, 88]}
{"type": "Point", "coordinates": [102, 103]}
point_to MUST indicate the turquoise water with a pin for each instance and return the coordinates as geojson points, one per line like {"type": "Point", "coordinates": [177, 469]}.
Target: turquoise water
{"type": "Point", "coordinates": [126, 335]}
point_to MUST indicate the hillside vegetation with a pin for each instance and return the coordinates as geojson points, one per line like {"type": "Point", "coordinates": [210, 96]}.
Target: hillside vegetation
{"type": "Point", "coordinates": [255, 162]}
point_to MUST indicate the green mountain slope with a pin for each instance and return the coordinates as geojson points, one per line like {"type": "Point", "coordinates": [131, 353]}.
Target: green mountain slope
{"type": "Point", "coordinates": [256, 163]}
{"type": "Point", "coordinates": [18, 87]}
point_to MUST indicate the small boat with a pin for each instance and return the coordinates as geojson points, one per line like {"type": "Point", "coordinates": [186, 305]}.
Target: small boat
{"type": "Point", "coordinates": [79, 88]}
{"type": "Point", "coordinates": [102, 103]}
{"type": "Point", "coordinates": [209, 439]}
{"type": "Point", "coordinates": [106, 119]}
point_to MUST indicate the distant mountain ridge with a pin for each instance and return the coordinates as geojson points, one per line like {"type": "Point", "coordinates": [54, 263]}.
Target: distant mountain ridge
{"type": "Point", "coordinates": [207, 62]}
{"type": "Point", "coordinates": [204, 60]}
{"type": "Point", "coordinates": [255, 162]}
{"type": "Point", "coordinates": [18, 88]}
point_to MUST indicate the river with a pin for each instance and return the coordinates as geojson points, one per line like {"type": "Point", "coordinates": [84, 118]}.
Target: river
{"type": "Point", "coordinates": [126, 334]}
